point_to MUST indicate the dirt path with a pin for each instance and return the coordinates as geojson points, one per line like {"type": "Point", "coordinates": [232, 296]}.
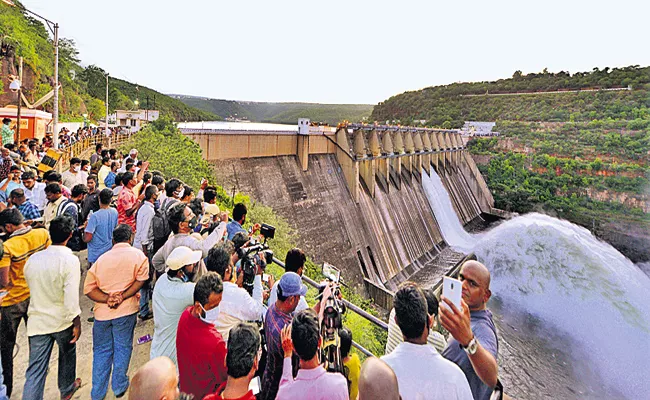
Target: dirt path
{"type": "Point", "coordinates": [84, 353]}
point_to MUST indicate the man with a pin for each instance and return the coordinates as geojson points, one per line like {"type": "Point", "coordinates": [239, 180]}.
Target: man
{"type": "Point", "coordinates": [103, 173]}
{"type": "Point", "coordinates": [377, 381]}
{"type": "Point", "coordinates": [294, 262]}
{"type": "Point", "coordinates": [28, 210]}
{"type": "Point", "coordinates": [72, 177]}
{"type": "Point", "coordinates": [435, 338]}
{"type": "Point", "coordinates": [57, 204]}
{"type": "Point", "coordinates": [5, 163]}
{"type": "Point", "coordinates": [155, 380]}
{"type": "Point", "coordinates": [54, 177]}
{"type": "Point", "coordinates": [238, 220]}
{"type": "Point", "coordinates": [131, 159]}
{"type": "Point", "coordinates": [99, 231]}
{"type": "Point", "coordinates": [143, 241]}
{"type": "Point", "coordinates": [85, 171]}
{"type": "Point", "coordinates": [34, 191]}
{"type": "Point", "coordinates": [159, 182]}
{"type": "Point", "coordinates": [237, 305]}
{"type": "Point", "coordinates": [53, 276]}
{"type": "Point", "coordinates": [421, 371]}
{"type": "Point", "coordinates": [7, 133]}
{"type": "Point", "coordinates": [200, 348]}
{"type": "Point", "coordinates": [22, 242]}
{"type": "Point", "coordinates": [242, 361]}
{"type": "Point", "coordinates": [97, 155]}
{"type": "Point", "coordinates": [11, 182]}
{"type": "Point", "coordinates": [91, 202]}
{"type": "Point", "coordinates": [182, 222]}
{"type": "Point", "coordinates": [127, 201]}
{"type": "Point", "coordinates": [113, 283]}
{"type": "Point", "coordinates": [474, 347]}
{"type": "Point", "coordinates": [290, 288]}
{"type": "Point", "coordinates": [312, 382]}
{"type": "Point", "coordinates": [351, 362]}
{"type": "Point", "coordinates": [173, 293]}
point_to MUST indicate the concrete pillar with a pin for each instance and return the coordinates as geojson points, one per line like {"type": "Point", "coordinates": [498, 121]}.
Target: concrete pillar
{"type": "Point", "coordinates": [359, 147]}
{"type": "Point", "coordinates": [409, 146]}
{"type": "Point", "coordinates": [303, 151]}
{"type": "Point", "coordinates": [373, 144]}
{"type": "Point", "coordinates": [387, 143]}
{"type": "Point", "coordinates": [398, 143]}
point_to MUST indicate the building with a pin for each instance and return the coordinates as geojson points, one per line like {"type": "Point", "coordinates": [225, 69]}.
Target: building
{"type": "Point", "coordinates": [133, 121]}
{"type": "Point", "coordinates": [33, 123]}
{"type": "Point", "coordinates": [476, 128]}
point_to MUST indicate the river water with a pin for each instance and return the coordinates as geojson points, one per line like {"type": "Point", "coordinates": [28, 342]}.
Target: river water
{"type": "Point", "coordinates": [572, 311]}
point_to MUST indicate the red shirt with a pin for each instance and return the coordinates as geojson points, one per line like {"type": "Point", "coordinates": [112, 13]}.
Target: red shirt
{"type": "Point", "coordinates": [125, 201]}
{"type": "Point", "coordinates": [201, 353]}
{"type": "Point", "coordinates": [217, 395]}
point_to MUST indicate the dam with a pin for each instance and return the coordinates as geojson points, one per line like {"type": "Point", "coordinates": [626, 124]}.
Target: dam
{"type": "Point", "coordinates": [354, 192]}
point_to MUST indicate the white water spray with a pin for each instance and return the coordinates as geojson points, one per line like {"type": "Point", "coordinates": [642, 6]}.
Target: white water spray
{"type": "Point", "coordinates": [576, 284]}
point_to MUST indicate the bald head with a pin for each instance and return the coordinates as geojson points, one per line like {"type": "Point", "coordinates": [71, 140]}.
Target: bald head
{"type": "Point", "coordinates": [479, 270]}
{"type": "Point", "coordinates": [377, 381]}
{"type": "Point", "coordinates": [155, 380]}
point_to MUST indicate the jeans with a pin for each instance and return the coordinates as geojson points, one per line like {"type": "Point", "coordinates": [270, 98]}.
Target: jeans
{"type": "Point", "coordinates": [10, 317]}
{"type": "Point", "coordinates": [112, 347]}
{"type": "Point", "coordinates": [146, 291]}
{"type": "Point", "coordinates": [40, 349]}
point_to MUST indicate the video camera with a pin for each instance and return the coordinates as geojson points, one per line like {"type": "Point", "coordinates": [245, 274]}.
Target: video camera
{"type": "Point", "coordinates": [332, 322]}
{"type": "Point", "coordinates": [254, 255]}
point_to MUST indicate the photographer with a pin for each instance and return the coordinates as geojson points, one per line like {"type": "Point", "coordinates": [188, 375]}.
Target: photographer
{"type": "Point", "coordinates": [312, 381]}
{"type": "Point", "coordinates": [237, 305]}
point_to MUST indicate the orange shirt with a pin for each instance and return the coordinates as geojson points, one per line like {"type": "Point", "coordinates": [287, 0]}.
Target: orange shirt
{"type": "Point", "coordinates": [115, 271]}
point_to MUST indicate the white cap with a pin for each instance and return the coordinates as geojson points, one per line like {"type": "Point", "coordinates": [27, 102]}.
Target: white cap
{"type": "Point", "coordinates": [133, 151]}
{"type": "Point", "coordinates": [182, 256]}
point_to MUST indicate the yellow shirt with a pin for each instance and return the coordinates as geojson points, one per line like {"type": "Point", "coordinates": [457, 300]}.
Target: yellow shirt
{"type": "Point", "coordinates": [101, 176]}
{"type": "Point", "coordinates": [17, 250]}
{"type": "Point", "coordinates": [354, 369]}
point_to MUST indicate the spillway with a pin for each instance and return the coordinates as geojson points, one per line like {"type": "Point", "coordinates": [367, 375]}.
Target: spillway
{"type": "Point", "coordinates": [580, 289]}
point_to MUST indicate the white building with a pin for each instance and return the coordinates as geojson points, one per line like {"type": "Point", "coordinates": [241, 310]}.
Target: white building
{"type": "Point", "coordinates": [476, 128]}
{"type": "Point", "coordinates": [133, 120]}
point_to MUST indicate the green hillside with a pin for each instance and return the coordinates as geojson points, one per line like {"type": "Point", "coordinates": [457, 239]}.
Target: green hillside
{"type": "Point", "coordinates": [83, 90]}
{"type": "Point", "coordinates": [287, 113]}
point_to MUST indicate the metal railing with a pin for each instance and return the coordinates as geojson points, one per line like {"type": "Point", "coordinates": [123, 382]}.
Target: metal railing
{"type": "Point", "coordinates": [83, 145]}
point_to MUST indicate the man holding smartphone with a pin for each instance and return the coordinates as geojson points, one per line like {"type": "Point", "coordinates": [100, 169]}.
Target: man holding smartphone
{"type": "Point", "coordinates": [474, 347]}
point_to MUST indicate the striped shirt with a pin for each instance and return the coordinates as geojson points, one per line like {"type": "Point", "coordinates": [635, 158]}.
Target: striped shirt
{"type": "Point", "coordinates": [273, 323]}
{"type": "Point", "coordinates": [29, 210]}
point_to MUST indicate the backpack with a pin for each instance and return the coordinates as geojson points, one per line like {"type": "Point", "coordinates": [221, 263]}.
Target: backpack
{"type": "Point", "coordinates": [76, 242]}
{"type": "Point", "coordinates": [160, 229]}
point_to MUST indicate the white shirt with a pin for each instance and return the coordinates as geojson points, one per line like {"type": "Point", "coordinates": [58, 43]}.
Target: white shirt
{"type": "Point", "coordinates": [159, 259]}
{"type": "Point", "coordinates": [37, 195]}
{"type": "Point", "coordinates": [423, 374]}
{"type": "Point", "coordinates": [273, 297]}
{"type": "Point", "coordinates": [53, 276]}
{"type": "Point", "coordinates": [143, 236]}
{"type": "Point", "coordinates": [238, 306]}
{"type": "Point", "coordinates": [72, 179]}
{"type": "Point", "coordinates": [170, 298]}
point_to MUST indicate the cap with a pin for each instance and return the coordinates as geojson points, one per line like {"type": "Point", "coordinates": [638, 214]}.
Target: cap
{"type": "Point", "coordinates": [210, 211]}
{"type": "Point", "coordinates": [182, 256]}
{"type": "Point", "coordinates": [291, 285]}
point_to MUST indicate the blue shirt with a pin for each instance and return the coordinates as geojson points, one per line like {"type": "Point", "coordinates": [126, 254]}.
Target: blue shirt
{"type": "Point", "coordinates": [29, 210]}
{"type": "Point", "coordinates": [486, 333]}
{"type": "Point", "coordinates": [232, 228]}
{"type": "Point", "coordinates": [101, 225]}
{"type": "Point", "coordinates": [110, 180]}
{"type": "Point", "coordinates": [11, 186]}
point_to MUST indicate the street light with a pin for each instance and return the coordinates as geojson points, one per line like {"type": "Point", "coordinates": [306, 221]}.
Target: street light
{"type": "Point", "coordinates": [54, 28]}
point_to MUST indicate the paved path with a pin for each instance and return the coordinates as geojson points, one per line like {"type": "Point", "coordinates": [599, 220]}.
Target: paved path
{"type": "Point", "coordinates": [84, 353]}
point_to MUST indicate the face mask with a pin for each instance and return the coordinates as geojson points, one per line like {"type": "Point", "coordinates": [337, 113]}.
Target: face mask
{"type": "Point", "coordinates": [77, 169]}
{"type": "Point", "coordinates": [210, 315]}
{"type": "Point", "coordinates": [192, 223]}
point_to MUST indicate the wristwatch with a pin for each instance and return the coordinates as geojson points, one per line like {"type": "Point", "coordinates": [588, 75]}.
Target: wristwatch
{"type": "Point", "coordinates": [472, 346]}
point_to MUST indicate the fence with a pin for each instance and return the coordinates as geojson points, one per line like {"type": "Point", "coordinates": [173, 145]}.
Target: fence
{"type": "Point", "coordinates": [87, 145]}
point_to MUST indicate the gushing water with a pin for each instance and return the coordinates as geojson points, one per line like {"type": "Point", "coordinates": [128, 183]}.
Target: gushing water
{"type": "Point", "coordinates": [451, 227]}
{"type": "Point", "coordinates": [574, 283]}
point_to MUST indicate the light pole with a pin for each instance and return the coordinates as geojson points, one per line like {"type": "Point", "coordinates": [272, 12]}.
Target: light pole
{"type": "Point", "coordinates": [54, 28]}
{"type": "Point", "coordinates": [106, 118]}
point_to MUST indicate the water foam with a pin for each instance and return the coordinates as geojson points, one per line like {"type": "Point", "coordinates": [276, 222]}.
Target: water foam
{"type": "Point", "coordinates": [578, 285]}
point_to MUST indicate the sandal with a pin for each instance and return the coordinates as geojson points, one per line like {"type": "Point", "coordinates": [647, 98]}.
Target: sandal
{"type": "Point", "coordinates": [75, 386]}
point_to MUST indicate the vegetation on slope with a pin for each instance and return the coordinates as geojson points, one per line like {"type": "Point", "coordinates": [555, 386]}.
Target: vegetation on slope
{"type": "Point", "coordinates": [284, 113]}
{"type": "Point", "coordinates": [83, 90]}
{"type": "Point", "coordinates": [175, 155]}
{"type": "Point", "coordinates": [448, 106]}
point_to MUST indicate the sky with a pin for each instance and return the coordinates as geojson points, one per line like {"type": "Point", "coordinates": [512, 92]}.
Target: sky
{"type": "Point", "coordinates": [349, 51]}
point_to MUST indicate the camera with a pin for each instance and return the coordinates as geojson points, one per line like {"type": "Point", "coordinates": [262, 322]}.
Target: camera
{"type": "Point", "coordinates": [332, 322]}
{"type": "Point", "coordinates": [255, 255]}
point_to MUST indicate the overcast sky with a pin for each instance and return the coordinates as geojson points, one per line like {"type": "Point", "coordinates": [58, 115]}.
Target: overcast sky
{"type": "Point", "coordinates": [351, 51]}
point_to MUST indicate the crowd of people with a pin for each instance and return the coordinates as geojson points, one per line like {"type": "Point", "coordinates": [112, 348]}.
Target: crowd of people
{"type": "Point", "coordinates": [158, 250]}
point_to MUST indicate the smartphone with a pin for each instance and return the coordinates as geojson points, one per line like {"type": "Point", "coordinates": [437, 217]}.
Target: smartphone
{"type": "Point", "coordinates": [453, 290]}
{"type": "Point", "coordinates": [265, 278]}
{"type": "Point", "coordinates": [255, 385]}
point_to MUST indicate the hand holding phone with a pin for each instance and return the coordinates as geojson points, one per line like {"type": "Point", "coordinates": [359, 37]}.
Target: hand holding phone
{"type": "Point", "coordinates": [452, 289]}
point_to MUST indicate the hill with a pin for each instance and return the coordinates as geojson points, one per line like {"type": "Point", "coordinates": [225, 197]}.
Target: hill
{"type": "Point", "coordinates": [581, 152]}
{"type": "Point", "coordinates": [287, 113]}
{"type": "Point", "coordinates": [83, 89]}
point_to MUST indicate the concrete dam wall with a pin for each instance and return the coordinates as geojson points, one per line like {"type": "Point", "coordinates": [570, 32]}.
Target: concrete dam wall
{"type": "Point", "coordinates": [363, 211]}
